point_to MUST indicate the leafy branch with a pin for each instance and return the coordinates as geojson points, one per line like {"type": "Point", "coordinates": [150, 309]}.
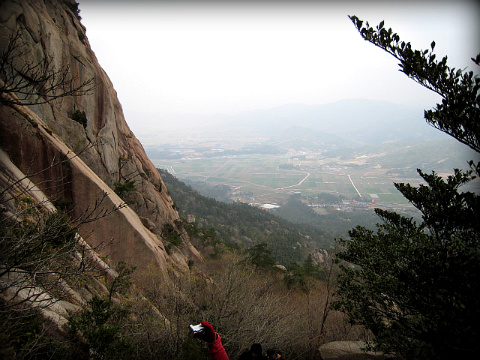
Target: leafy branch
{"type": "Point", "coordinates": [459, 113]}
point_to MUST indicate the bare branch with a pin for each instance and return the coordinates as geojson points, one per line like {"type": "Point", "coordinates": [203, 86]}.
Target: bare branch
{"type": "Point", "coordinates": [40, 249]}
{"type": "Point", "coordinates": [34, 83]}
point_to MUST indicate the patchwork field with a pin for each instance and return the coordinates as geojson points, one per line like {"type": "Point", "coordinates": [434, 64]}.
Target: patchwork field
{"type": "Point", "coordinates": [262, 178]}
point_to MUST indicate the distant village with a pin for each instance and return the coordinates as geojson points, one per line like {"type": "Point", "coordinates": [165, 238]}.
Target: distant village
{"type": "Point", "coordinates": [300, 161]}
{"type": "Point", "coordinates": [343, 205]}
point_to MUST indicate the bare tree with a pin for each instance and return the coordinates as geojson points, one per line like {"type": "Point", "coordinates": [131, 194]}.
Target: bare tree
{"type": "Point", "coordinates": [40, 248]}
{"type": "Point", "coordinates": [249, 307]}
{"type": "Point", "coordinates": [31, 83]}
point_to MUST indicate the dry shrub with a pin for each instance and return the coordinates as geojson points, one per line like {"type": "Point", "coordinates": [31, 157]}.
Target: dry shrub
{"type": "Point", "coordinates": [245, 306]}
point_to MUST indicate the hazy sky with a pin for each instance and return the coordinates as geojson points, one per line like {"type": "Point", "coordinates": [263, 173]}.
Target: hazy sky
{"type": "Point", "coordinates": [177, 59]}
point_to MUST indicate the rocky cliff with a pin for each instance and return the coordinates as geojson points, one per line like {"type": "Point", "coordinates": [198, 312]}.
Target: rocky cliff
{"type": "Point", "coordinates": [75, 145]}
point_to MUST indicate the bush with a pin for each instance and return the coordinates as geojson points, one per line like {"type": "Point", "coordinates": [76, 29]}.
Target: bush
{"type": "Point", "coordinates": [80, 117]}
{"type": "Point", "coordinates": [124, 188]}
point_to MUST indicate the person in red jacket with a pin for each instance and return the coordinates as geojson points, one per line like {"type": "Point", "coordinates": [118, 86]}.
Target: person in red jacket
{"type": "Point", "coordinates": [213, 340]}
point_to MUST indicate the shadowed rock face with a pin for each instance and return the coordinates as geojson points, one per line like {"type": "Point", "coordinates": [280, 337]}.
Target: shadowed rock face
{"type": "Point", "coordinates": [89, 161]}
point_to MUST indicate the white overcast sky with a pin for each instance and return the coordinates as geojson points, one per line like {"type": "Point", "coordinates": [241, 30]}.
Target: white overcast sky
{"type": "Point", "coordinates": [177, 59]}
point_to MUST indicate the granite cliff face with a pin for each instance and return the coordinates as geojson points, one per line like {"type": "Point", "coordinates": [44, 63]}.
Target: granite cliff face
{"type": "Point", "coordinates": [80, 164]}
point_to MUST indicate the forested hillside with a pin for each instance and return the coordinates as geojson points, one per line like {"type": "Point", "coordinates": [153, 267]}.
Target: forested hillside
{"type": "Point", "coordinates": [333, 223]}
{"type": "Point", "coordinates": [242, 225]}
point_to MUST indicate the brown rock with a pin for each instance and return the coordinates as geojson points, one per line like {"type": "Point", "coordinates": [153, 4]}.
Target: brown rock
{"type": "Point", "coordinates": [103, 153]}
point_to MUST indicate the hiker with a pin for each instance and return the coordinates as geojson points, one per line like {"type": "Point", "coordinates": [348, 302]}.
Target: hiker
{"type": "Point", "coordinates": [217, 351]}
{"type": "Point", "coordinates": [254, 353]}
{"type": "Point", "coordinates": [213, 340]}
{"type": "Point", "coordinates": [274, 354]}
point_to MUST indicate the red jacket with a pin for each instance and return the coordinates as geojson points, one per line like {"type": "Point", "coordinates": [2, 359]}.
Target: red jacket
{"type": "Point", "coordinates": [216, 349]}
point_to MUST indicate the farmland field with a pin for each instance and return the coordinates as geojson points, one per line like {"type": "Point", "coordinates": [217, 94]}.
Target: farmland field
{"type": "Point", "coordinates": [263, 179]}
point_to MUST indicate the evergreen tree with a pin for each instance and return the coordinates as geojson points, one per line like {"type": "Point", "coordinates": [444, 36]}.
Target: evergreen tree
{"type": "Point", "coordinates": [259, 255]}
{"type": "Point", "coordinates": [413, 284]}
{"type": "Point", "coordinates": [309, 267]}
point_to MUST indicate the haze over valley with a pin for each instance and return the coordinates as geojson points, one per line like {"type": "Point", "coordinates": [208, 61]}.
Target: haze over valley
{"type": "Point", "coordinates": [351, 150]}
{"type": "Point", "coordinates": [285, 99]}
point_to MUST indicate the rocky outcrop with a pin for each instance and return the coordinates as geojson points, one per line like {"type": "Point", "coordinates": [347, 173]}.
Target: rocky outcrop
{"type": "Point", "coordinates": [81, 164]}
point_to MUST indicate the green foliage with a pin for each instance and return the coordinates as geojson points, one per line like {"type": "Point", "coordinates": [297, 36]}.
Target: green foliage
{"type": "Point", "coordinates": [80, 117]}
{"type": "Point", "coordinates": [62, 204]}
{"type": "Point", "coordinates": [173, 236]}
{"type": "Point", "coordinates": [58, 231]}
{"type": "Point", "coordinates": [100, 325]}
{"type": "Point", "coordinates": [122, 282]}
{"type": "Point", "coordinates": [333, 224]}
{"type": "Point", "coordinates": [300, 275]}
{"type": "Point", "coordinates": [122, 189]}
{"type": "Point", "coordinates": [296, 278]}
{"type": "Point", "coordinates": [217, 192]}
{"type": "Point", "coordinates": [413, 283]}
{"type": "Point", "coordinates": [97, 330]}
{"type": "Point", "coordinates": [240, 224]}
{"type": "Point", "coordinates": [297, 211]}
{"type": "Point", "coordinates": [310, 268]}
{"type": "Point", "coordinates": [170, 233]}
{"type": "Point", "coordinates": [260, 256]}
{"type": "Point", "coordinates": [459, 111]}
{"type": "Point", "coordinates": [26, 200]}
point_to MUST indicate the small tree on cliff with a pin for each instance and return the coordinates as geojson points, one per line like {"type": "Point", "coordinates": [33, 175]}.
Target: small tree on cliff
{"type": "Point", "coordinates": [413, 284]}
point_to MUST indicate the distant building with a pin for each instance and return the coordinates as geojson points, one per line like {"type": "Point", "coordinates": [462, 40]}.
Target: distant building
{"type": "Point", "coordinates": [269, 206]}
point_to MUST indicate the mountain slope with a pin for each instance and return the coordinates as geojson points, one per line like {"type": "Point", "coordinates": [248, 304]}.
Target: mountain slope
{"type": "Point", "coordinates": [244, 225]}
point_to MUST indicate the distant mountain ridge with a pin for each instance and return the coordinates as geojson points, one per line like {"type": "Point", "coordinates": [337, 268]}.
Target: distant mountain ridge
{"type": "Point", "coordinates": [355, 121]}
